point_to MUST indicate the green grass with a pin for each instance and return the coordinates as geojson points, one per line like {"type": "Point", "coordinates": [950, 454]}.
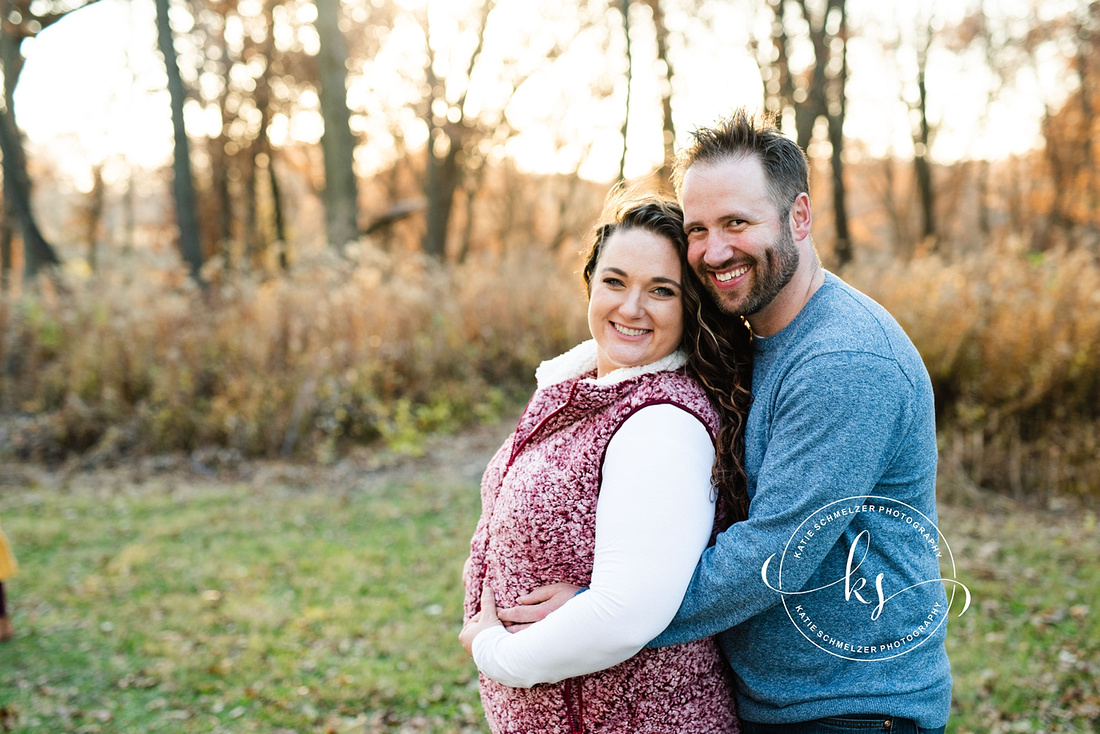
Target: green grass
{"type": "Point", "coordinates": [1026, 655]}
{"type": "Point", "coordinates": [328, 600]}
{"type": "Point", "coordinates": [252, 606]}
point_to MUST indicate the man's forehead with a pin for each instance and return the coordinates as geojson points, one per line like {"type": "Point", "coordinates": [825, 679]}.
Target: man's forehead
{"type": "Point", "coordinates": [744, 164]}
{"type": "Point", "coordinates": [741, 178]}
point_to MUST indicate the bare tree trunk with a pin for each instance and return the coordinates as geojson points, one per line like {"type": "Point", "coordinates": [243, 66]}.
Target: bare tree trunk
{"type": "Point", "coordinates": [625, 10]}
{"type": "Point", "coordinates": [338, 143]}
{"type": "Point", "coordinates": [183, 186]}
{"type": "Point", "coordinates": [899, 221]}
{"type": "Point", "coordinates": [443, 179]}
{"type": "Point", "coordinates": [985, 226]}
{"type": "Point", "coordinates": [823, 95]}
{"type": "Point", "coordinates": [5, 249]}
{"type": "Point", "coordinates": [446, 138]}
{"type": "Point", "coordinates": [442, 174]}
{"type": "Point", "coordinates": [18, 24]}
{"type": "Point", "coordinates": [1085, 49]}
{"type": "Point", "coordinates": [785, 96]}
{"type": "Point", "coordinates": [468, 225]}
{"type": "Point", "coordinates": [37, 252]}
{"type": "Point", "coordinates": [263, 150]}
{"type": "Point", "coordinates": [128, 218]}
{"type": "Point", "coordinates": [221, 160]}
{"type": "Point", "coordinates": [95, 216]}
{"type": "Point", "coordinates": [252, 237]}
{"type": "Point", "coordinates": [668, 126]}
{"type": "Point", "coordinates": [921, 143]}
{"type": "Point", "coordinates": [837, 111]}
{"type": "Point", "coordinates": [815, 104]}
{"type": "Point", "coordinates": [277, 213]}
{"type": "Point", "coordinates": [1061, 172]}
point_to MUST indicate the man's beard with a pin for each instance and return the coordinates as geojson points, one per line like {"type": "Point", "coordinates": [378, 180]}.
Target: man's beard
{"type": "Point", "coordinates": [780, 261]}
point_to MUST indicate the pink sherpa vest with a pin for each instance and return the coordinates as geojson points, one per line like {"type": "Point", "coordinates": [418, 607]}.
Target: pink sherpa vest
{"type": "Point", "coordinates": [537, 527]}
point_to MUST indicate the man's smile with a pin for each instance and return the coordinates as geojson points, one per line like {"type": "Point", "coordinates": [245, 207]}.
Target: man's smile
{"type": "Point", "coordinates": [729, 275]}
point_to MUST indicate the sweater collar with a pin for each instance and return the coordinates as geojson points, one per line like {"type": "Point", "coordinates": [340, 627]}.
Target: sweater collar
{"type": "Point", "coordinates": [580, 361]}
{"type": "Point", "coordinates": [792, 331]}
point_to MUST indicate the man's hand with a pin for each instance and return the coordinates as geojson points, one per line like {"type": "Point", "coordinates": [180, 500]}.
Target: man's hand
{"type": "Point", "coordinates": [534, 607]}
{"type": "Point", "coordinates": [483, 620]}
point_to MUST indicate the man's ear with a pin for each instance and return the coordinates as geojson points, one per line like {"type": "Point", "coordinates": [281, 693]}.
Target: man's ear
{"type": "Point", "coordinates": [801, 218]}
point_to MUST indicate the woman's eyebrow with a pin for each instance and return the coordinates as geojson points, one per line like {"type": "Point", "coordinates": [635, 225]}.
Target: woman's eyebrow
{"type": "Point", "coordinates": [658, 279]}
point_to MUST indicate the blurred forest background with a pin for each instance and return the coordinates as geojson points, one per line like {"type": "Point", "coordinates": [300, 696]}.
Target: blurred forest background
{"type": "Point", "coordinates": [266, 266]}
{"type": "Point", "coordinates": [354, 222]}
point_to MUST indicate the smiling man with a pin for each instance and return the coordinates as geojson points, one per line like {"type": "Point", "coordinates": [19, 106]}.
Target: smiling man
{"type": "Point", "coordinates": [841, 462]}
{"type": "Point", "coordinates": [827, 600]}
{"type": "Point", "coordinates": [753, 254]}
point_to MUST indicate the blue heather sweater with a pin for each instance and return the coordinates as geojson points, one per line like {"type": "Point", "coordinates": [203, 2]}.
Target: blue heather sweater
{"type": "Point", "coordinates": [841, 461]}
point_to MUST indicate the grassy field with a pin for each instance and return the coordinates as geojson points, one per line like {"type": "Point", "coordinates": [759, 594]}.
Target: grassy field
{"type": "Point", "coordinates": [279, 598]}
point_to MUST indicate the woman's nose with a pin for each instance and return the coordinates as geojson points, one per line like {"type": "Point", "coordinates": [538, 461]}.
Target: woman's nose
{"type": "Point", "coordinates": [633, 304]}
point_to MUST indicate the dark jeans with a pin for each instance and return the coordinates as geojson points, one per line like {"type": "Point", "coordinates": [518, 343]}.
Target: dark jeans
{"type": "Point", "coordinates": [860, 723]}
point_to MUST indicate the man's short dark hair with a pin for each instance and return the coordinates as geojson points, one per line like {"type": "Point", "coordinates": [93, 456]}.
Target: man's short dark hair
{"type": "Point", "coordinates": [740, 135]}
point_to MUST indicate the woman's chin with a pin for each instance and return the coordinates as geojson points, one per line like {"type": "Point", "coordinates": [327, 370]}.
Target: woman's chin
{"type": "Point", "coordinates": [619, 358]}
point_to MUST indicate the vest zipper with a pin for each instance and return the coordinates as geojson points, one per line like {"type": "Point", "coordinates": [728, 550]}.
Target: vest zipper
{"type": "Point", "coordinates": [574, 694]}
{"type": "Point", "coordinates": [521, 441]}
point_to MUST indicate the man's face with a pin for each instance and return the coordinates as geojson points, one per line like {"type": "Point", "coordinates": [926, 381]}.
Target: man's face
{"type": "Point", "coordinates": [739, 245]}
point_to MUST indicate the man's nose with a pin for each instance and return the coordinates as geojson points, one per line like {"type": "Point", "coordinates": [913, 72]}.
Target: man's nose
{"type": "Point", "coordinates": [717, 249]}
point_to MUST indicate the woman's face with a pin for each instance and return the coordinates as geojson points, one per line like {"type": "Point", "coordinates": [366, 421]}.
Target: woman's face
{"type": "Point", "coordinates": [636, 309]}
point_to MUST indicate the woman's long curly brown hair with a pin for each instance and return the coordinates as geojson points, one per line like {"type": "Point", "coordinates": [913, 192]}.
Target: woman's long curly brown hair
{"type": "Point", "coordinates": [720, 352]}
{"type": "Point", "coordinates": [719, 346]}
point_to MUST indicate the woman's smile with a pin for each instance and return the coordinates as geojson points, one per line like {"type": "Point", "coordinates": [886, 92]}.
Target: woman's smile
{"type": "Point", "coordinates": [627, 331]}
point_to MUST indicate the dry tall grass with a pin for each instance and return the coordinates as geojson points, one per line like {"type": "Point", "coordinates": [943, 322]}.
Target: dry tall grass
{"type": "Point", "coordinates": [383, 347]}
{"type": "Point", "coordinates": [1012, 342]}
{"type": "Point", "coordinates": [375, 347]}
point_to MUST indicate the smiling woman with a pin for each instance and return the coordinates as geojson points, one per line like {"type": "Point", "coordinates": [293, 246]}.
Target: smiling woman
{"type": "Point", "coordinates": [635, 310]}
{"type": "Point", "coordinates": [606, 486]}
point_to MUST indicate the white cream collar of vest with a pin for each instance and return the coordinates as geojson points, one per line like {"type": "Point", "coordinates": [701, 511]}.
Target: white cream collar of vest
{"type": "Point", "coordinates": [581, 359]}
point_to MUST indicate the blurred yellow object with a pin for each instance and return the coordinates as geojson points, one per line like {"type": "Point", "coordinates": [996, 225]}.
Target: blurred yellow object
{"type": "Point", "coordinates": [8, 566]}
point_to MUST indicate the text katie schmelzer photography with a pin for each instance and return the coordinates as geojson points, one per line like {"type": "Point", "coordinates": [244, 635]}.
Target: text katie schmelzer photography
{"type": "Point", "coordinates": [902, 578]}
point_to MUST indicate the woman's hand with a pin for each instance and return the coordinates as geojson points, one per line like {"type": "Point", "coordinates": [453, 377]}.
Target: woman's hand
{"type": "Point", "coordinates": [483, 620]}
{"type": "Point", "coordinates": [534, 607]}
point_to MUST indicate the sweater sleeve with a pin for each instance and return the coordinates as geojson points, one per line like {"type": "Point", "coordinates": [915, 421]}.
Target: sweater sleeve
{"type": "Point", "coordinates": [653, 520]}
{"type": "Point", "coordinates": [835, 426]}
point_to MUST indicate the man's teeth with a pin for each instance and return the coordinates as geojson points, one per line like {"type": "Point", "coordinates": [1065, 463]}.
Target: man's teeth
{"type": "Point", "coordinates": [629, 332]}
{"type": "Point", "coordinates": [726, 277]}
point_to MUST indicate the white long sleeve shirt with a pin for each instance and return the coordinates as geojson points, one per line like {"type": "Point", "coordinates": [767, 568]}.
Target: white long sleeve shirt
{"type": "Point", "coordinates": [653, 520]}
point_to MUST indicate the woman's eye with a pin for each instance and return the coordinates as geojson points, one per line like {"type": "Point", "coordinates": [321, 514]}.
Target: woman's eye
{"type": "Point", "coordinates": [665, 292]}
{"type": "Point", "coordinates": [615, 282]}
